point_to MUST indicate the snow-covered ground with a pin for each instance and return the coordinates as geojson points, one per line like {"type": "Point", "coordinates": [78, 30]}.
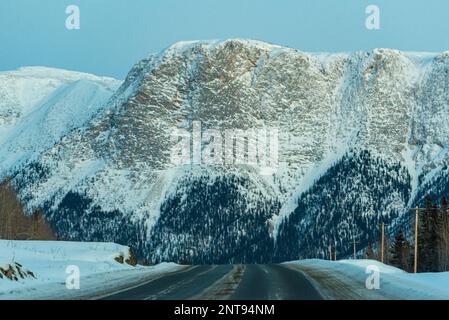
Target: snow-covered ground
{"type": "Point", "coordinates": [346, 279]}
{"type": "Point", "coordinates": [50, 261]}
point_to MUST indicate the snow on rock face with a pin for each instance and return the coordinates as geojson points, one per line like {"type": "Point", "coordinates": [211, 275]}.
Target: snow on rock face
{"type": "Point", "coordinates": [24, 89]}
{"type": "Point", "coordinates": [69, 107]}
{"type": "Point", "coordinates": [40, 105]}
{"type": "Point", "coordinates": [386, 101]}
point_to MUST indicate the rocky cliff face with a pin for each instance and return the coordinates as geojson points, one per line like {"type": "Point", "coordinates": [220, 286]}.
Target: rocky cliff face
{"type": "Point", "coordinates": [359, 135]}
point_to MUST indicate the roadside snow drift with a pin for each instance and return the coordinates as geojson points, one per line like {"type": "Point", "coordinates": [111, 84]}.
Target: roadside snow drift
{"type": "Point", "coordinates": [346, 279]}
{"type": "Point", "coordinates": [46, 265]}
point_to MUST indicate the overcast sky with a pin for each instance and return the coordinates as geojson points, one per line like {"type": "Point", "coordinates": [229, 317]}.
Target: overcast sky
{"type": "Point", "coordinates": [114, 34]}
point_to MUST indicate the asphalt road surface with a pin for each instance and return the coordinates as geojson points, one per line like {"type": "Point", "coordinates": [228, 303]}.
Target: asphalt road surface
{"type": "Point", "coordinates": [274, 282]}
{"type": "Point", "coordinates": [247, 282]}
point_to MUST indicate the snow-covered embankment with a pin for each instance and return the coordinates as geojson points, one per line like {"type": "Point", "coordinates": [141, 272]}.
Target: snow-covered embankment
{"type": "Point", "coordinates": [346, 279]}
{"type": "Point", "coordinates": [40, 269]}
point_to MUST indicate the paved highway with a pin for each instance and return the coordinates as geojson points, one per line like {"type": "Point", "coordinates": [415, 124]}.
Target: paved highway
{"type": "Point", "coordinates": [274, 282]}
{"type": "Point", "coordinates": [245, 282]}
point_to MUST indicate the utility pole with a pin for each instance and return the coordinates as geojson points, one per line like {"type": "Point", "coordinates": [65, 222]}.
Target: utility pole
{"type": "Point", "coordinates": [415, 262]}
{"type": "Point", "coordinates": [415, 265]}
{"type": "Point", "coordinates": [355, 251]}
{"type": "Point", "coordinates": [330, 252]}
{"type": "Point", "coordinates": [335, 251]}
{"type": "Point", "coordinates": [383, 243]}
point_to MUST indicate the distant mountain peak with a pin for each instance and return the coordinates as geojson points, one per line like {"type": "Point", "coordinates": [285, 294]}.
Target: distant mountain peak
{"type": "Point", "coordinates": [366, 128]}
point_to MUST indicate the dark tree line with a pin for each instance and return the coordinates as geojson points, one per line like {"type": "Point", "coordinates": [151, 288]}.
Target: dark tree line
{"type": "Point", "coordinates": [343, 204]}
{"type": "Point", "coordinates": [433, 241]}
{"type": "Point", "coordinates": [213, 221]}
{"type": "Point", "coordinates": [400, 253]}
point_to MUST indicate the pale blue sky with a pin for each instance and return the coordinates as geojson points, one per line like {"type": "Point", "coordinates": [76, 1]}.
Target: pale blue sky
{"type": "Point", "coordinates": [116, 33]}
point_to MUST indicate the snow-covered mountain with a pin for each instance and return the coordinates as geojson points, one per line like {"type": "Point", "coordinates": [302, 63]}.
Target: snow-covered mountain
{"type": "Point", "coordinates": [360, 134]}
{"type": "Point", "coordinates": [38, 106]}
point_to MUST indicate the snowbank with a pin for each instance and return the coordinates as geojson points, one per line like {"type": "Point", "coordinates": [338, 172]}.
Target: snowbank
{"type": "Point", "coordinates": [345, 279]}
{"type": "Point", "coordinates": [100, 271]}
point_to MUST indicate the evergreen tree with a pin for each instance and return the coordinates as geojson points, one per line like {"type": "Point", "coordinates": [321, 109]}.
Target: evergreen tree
{"type": "Point", "coordinates": [400, 251]}
{"type": "Point", "coordinates": [424, 263]}
{"type": "Point", "coordinates": [429, 238]}
{"type": "Point", "coordinates": [434, 239]}
{"type": "Point", "coordinates": [369, 251]}
{"type": "Point", "coordinates": [443, 233]}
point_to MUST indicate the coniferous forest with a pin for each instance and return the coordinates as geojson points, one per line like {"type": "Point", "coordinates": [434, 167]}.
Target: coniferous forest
{"type": "Point", "coordinates": [227, 218]}
{"type": "Point", "coordinates": [433, 240]}
{"type": "Point", "coordinates": [349, 202]}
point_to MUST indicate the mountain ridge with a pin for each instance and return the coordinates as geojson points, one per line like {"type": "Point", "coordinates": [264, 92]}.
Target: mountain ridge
{"type": "Point", "coordinates": [328, 108]}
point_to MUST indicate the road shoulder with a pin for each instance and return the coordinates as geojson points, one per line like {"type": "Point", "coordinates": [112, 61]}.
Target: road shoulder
{"type": "Point", "coordinates": [334, 285]}
{"type": "Point", "coordinates": [92, 286]}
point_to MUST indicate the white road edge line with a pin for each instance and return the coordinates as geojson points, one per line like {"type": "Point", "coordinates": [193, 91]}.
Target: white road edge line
{"type": "Point", "coordinates": [180, 283]}
{"type": "Point", "coordinates": [188, 268]}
